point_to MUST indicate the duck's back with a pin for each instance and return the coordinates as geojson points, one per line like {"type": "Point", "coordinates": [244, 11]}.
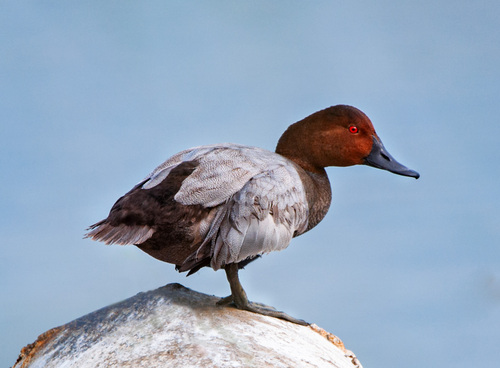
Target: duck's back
{"type": "Point", "coordinates": [211, 205]}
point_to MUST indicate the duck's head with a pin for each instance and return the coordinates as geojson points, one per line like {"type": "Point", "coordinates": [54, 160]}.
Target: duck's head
{"type": "Point", "coordinates": [337, 136]}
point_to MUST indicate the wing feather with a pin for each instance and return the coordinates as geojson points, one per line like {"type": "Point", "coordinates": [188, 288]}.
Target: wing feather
{"type": "Point", "coordinates": [222, 171]}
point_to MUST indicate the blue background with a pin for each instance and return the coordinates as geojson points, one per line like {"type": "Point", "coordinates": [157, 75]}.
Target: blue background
{"type": "Point", "coordinates": [94, 95]}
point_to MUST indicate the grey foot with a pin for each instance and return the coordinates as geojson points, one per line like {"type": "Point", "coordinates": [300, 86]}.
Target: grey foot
{"type": "Point", "coordinates": [261, 309]}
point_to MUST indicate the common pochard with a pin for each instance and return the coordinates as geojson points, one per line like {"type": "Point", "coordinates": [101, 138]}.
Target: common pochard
{"type": "Point", "coordinates": [224, 205]}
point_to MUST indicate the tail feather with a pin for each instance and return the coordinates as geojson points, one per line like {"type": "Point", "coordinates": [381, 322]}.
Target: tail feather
{"type": "Point", "coordinates": [121, 234]}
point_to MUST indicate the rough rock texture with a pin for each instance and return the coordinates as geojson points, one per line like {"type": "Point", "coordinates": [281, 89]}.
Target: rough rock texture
{"type": "Point", "coordinates": [176, 327]}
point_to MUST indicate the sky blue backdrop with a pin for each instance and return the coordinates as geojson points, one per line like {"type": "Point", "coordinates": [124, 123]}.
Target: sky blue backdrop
{"type": "Point", "coordinates": [93, 95]}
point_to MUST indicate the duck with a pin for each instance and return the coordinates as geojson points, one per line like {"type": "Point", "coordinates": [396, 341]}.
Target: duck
{"type": "Point", "coordinates": [225, 205]}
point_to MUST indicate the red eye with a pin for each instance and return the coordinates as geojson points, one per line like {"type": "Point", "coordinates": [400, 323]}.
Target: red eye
{"type": "Point", "coordinates": [353, 129]}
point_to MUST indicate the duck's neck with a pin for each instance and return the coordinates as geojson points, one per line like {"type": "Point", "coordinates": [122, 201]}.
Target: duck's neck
{"type": "Point", "coordinates": [312, 174]}
{"type": "Point", "coordinates": [318, 194]}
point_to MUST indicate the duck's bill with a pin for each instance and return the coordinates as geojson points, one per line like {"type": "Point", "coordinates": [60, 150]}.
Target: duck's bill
{"type": "Point", "coordinates": [381, 159]}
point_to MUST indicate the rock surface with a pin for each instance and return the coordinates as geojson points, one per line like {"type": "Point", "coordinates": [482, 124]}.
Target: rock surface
{"type": "Point", "coordinates": [176, 327]}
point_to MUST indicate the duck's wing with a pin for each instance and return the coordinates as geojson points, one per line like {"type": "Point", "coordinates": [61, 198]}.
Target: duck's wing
{"type": "Point", "coordinates": [222, 170]}
{"type": "Point", "coordinates": [261, 216]}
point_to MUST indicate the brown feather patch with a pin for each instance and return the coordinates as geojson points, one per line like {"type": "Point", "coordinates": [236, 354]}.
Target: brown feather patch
{"type": "Point", "coordinates": [153, 221]}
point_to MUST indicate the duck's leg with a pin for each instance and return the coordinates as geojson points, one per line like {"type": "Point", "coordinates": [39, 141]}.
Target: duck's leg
{"type": "Point", "coordinates": [240, 300]}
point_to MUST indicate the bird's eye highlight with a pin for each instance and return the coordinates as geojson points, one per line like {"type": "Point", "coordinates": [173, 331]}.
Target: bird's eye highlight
{"type": "Point", "coordinates": [353, 129]}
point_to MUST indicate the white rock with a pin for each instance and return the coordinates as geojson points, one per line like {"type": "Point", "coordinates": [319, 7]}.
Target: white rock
{"type": "Point", "coordinates": [176, 327]}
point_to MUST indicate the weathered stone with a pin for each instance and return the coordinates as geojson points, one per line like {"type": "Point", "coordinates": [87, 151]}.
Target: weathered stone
{"type": "Point", "coordinates": [176, 327]}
